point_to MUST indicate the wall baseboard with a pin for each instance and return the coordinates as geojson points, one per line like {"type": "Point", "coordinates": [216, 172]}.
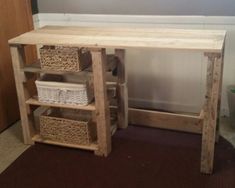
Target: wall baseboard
{"type": "Point", "coordinates": [134, 19]}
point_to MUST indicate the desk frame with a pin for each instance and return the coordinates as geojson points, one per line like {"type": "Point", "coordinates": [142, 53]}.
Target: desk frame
{"type": "Point", "coordinates": [211, 43]}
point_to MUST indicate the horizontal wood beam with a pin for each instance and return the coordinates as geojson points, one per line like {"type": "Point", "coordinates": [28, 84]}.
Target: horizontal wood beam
{"type": "Point", "coordinates": [120, 37]}
{"type": "Point", "coordinates": [40, 139]}
{"type": "Point", "coordinates": [164, 120]}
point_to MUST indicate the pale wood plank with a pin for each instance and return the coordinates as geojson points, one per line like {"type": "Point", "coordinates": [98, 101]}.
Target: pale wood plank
{"type": "Point", "coordinates": [219, 100]}
{"type": "Point", "coordinates": [214, 76]}
{"type": "Point", "coordinates": [155, 31]}
{"type": "Point", "coordinates": [202, 40]}
{"type": "Point", "coordinates": [34, 101]}
{"type": "Point", "coordinates": [38, 138]}
{"type": "Point", "coordinates": [209, 81]}
{"type": "Point", "coordinates": [101, 102]}
{"type": "Point", "coordinates": [17, 54]}
{"type": "Point", "coordinates": [164, 120]}
{"type": "Point", "coordinates": [36, 68]}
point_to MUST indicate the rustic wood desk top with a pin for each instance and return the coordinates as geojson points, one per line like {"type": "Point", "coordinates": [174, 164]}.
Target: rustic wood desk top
{"type": "Point", "coordinates": [116, 37]}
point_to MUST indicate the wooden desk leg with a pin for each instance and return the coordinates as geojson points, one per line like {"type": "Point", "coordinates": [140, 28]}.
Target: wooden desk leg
{"type": "Point", "coordinates": [101, 102]}
{"type": "Point", "coordinates": [122, 92]}
{"type": "Point", "coordinates": [214, 76]}
{"type": "Point", "coordinates": [219, 102]}
{"type": "Point", "coordinates": [18, 58]}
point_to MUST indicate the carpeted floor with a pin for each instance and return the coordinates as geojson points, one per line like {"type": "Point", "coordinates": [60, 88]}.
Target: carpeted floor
{"type": "Point", "coordinates": [141, 158]}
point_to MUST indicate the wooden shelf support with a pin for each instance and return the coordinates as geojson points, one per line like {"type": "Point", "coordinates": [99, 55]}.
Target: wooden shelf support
{"type": "Point", "coordinates": [101, 102]}
{"type": "Point", "coordinates": [32, 101]}
{"type": "Point", "coordinates": [18, 59]}
{"type": "Point", "coordinates": [214, 79]}
{"type": "Point", "coordinates": [38, 138]}
{"type": "Point", "coordinates": [165, 120]}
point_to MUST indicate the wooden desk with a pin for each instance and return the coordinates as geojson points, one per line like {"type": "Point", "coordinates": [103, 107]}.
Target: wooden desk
{"type": "Point", "coordinates": [211, 43]}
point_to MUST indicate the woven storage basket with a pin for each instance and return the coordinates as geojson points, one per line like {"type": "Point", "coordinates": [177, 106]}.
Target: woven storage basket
{"type": "Point", "coordinates": [65, 89]}
{"type": "Point", "coordinates": [68, 126]}
{"type": "Point", "coordinates": [66, 59]}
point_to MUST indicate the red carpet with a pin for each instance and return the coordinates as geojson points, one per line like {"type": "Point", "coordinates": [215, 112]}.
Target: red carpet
{"type": "Point", "coordinates": [141, 158]}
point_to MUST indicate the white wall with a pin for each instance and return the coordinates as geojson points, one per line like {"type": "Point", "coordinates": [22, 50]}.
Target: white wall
{"type": "Point", "coordinates": [171, 80]}
{"type": "Point", "coordinates": [150, 7]}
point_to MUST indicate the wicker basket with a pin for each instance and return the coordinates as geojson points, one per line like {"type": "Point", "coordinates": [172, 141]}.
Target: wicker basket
{"type": "Point", "coordinates": [65, 89]}
{"type": "Point", "coordinates": [66, 59]}
{"type": "Point", "coordinates": [68, 126]}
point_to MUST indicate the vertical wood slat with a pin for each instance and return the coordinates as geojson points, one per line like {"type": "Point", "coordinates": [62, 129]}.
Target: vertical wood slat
{"type": "Point", "coordinates": [101, 102]}
{"type": "Point", "coordinates": [214, 75]}
{"type": "Point", "coordinates": [122, 92]}
{"type": "Point", "coordinates": [17, 54]}
{"type": "Point", "coordinates": [219, 100]}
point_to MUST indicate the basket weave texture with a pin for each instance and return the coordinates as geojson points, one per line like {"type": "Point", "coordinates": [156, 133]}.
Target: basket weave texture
{"type": "Point", "coordinates": [58, 89]}
{"type": "Point", "coordinates": [66, 59]}
{"type": "Point", "coordinates": [68, 126]}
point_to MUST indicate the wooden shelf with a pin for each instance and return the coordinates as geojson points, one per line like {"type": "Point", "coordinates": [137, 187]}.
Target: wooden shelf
{"type": "Point", "coordinates": [33, 101]}
{"type": "Point", "coordinates": [36, 68]}
{"type": "Point", "coordinates": [38, 138]}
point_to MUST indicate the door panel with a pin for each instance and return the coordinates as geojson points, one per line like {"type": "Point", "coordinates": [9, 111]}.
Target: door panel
{"type": "Point", "coordinates": [15, 19]}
